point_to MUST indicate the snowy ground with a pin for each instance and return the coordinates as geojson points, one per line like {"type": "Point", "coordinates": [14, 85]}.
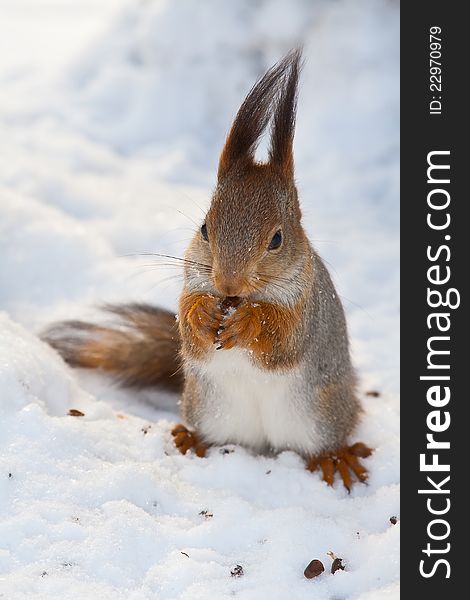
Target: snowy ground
{"type": "Point", "coordinates": [109, 134]}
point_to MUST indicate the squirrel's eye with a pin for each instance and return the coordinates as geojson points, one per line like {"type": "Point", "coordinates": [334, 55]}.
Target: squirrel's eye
{"type": "Point", "coordinates": [204, 232]}
{"type": "Point", "coordinates": [276, 241]}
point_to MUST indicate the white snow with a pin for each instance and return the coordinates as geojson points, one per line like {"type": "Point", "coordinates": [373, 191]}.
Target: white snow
{"type": "Point", "coordinates": [111, 118]}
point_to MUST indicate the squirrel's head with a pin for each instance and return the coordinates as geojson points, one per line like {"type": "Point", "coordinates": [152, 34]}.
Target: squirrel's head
{"type": "Point", "coordinates": [252, 236]}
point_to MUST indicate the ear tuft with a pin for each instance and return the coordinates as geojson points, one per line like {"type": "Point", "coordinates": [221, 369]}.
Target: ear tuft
{"type": "Point", "coordinates": [273, 97]}
{"type": "Point", "coordinates": [283, 122]}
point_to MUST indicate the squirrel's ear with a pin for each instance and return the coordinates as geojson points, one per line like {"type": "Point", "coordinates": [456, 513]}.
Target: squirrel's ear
{"type": "Point", "coordinates": [283, 122]}
{"type": "Point", "coordinates": [256, 112]}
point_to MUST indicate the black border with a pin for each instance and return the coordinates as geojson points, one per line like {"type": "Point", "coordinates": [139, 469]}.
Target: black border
{"type": "Point", "coordinates": [420, 134]}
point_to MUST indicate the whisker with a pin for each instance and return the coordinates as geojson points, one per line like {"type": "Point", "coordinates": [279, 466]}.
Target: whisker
{"type": "Point", "coordinates": [324, 241]}
{"type": "Point", "coordinates": [179, 266]}
{"type": "Point", "coordinates": [268, 278]}
{"type": "Point", "coordinates": [361, 308]}
{"type": "Point", "coordinates": [178, 277]}
{"type": "Point", "coordinates": [189, 218]}
{"type": "Point", "coordinates": [170, 257]}
{"type": "Point", "coordinates": [183, 214]}
{"type": "Point", "coordinates": [272, 283]}
{"type": "Point", "coordinates": [191, 199]}
{"type": "Point", "coordinates": [178, 370]}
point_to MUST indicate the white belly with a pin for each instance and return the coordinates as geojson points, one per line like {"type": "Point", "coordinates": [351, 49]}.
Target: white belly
{"type": "Point", "coordinates": [254, 407]}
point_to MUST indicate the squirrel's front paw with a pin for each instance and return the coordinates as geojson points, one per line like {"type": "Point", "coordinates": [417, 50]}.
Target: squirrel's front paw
{"type": "Point", "coordinates": [204, 318]}
{"type": "Point", "coordinates": [241, 327]}
{"type": "Point", "coordinates": [344, 461]}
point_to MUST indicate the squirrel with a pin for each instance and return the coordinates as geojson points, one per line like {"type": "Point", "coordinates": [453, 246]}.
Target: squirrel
{"type": "Point", "coordinates": [260, 347]}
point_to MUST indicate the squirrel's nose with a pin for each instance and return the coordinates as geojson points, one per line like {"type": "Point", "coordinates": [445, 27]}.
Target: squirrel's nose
{"type": "Point", "coordinates": [228, 286]}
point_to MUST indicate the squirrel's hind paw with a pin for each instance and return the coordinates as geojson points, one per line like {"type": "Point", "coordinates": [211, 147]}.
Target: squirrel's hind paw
{"type": "Point", "coordinates": [185, 440]}
{"type": "Point", "coordinates": [344, 461]}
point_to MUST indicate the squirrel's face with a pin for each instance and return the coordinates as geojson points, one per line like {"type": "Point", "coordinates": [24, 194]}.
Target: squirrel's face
{"type": "Point", "coordinates": [252, 237]}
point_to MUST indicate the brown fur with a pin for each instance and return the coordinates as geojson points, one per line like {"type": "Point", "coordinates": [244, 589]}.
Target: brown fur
{"type": "Point", "coordinates": [275, 92]}
{"type": "Point", "coordinates": [287, 312]}
{"type": "Point", "coordinates": [265, 329]}
{"type": "Point", "coordinates": [200, 318]}
{"type": "Point", "coordinates": [142, 351]}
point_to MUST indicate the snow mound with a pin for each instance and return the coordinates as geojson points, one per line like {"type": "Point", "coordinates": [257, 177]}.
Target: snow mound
{"type": "Point", "coordinates": [31, 373]}
{"type": "Point", "coordinates": [103, 505]}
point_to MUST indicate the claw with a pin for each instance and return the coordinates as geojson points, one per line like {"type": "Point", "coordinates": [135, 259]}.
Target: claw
{"type": "Point", "coordinates": [359, 471]}
{"type": "Point", "coordinates": [343, 470]}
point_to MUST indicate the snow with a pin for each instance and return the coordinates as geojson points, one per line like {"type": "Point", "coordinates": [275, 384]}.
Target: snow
{"type": "Point", "coordinates": [112, 116]}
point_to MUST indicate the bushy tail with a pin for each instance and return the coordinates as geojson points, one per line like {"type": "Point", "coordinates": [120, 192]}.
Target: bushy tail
{"type": "Point", "coordinates": [141, 350]}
